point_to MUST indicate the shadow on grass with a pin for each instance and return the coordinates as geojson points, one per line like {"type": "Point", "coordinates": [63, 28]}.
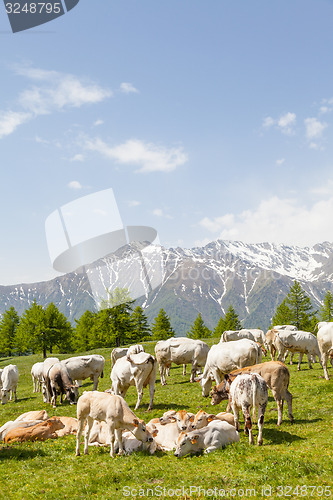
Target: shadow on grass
{"type": "Point", "coordinates": [278, 436]}
{"type": "Point", "coordinates": [13, 452]}
{"type": "Point", "coordinates": [166, 406]}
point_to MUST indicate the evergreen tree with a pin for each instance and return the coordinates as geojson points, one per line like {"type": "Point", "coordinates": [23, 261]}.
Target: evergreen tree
{"type": "Point", "coordinates": [83, 336]}
{"type": "Point", "coordinates": [161, 328]}
{"type": "Point", "coordinates": [59, 329]}
{"type": "Point", "coordinates": [141, 328]}
{"type": "Point", "coordinates": [296, 309]}
{"type": "Point", "coordinates": [199, 330]}
{"type": "Point", "coordinates": [8, 327]}
{"type": "Point", "coordinates": [32, 333]}
{"type": "Point", "coordinates": [229, 322]}
{"type": "Point", "coordinates": [113, 326]}
{"type": "Point", "coordinates": [326, 310]}
{"type": "Point", "coordinates": [116, 297]}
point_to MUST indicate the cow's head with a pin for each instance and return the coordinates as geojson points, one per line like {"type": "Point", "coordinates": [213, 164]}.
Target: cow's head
{"type": "Point", "coordinates": [202, 419]}
{"type": "Point", "coordinates": [206, 384]}
{"type": "Point", "coordinates": [186, 443]}
{"type": "Point", "coordinates": [4, 396]}
{"type": "Point", "coordinates": [221, 392]}
{"type": "Point", "coordinates": [141, 432]}
{"type": "Point", "coordinates": [71, 395]}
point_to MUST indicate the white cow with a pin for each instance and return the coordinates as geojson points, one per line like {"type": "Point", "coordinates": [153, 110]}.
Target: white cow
{"type": "Point", "coordinates": [82, 367]}
{"type": "Point", "coordinates": [9, 379]}
{"type": "Point", "coordinates": [181, 351]}
{"type": "Point", "coordinates": [113, 410]}
{"type": "Point", "coordinates": [202, 418]}
{"type": "Point", "coordinates": [47, 363]}
{"type": "Point", "coordinates": [258, 334]}
{"type": "Point", "coordinates": [214, 436]}
{"type": "Point", "coordinates": [230, 335]}
{"type": "Point", "coordinates": [119, 352]}
{"type": "Point", "coordinates": [300, 341]}
{"type": "Point", "coordinates": [135, 369]}
{"type": "Point", "coordinates": [246, 391]}
{"type": "Point", "coordinates": [37, 376]}
{"type": "Point", "coordinates": [225, 357]}
{"type": "Point", "coordinates": [325, 343]}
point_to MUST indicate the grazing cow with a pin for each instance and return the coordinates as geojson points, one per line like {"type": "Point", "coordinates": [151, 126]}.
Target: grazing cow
{"type": "Point", "coordinates": [300, 341]}
{"type": "Point", "coordinates": [47, 363]}
{"type": "Point", "coordinates": [246, 391]}
{"type": "Point", "coordinates": [135, 369]}
{"type": "Point", "coordinates": [39, 432]}
{"type": "Point", "coordinates": [9, 379]}
{"type": "Point", "coordinates": [325, 343]}
{"type": "Point", "coordinates": [214, 436]}
{"type": "Point", "coordinates": [181, 351]}
{"type": "Point", "coordinates": [33, 415]}
{"type": "Point", "coordinates": [203, 418]}
{"type": "Point", "coordinates": [37, 376]}
{"type": "Point", "coordinates": [113, 410]}
{"type": "Point", "coordinates": [276, 376]}
{"type": "Point", "coordinates": [225, 357]}
{"type": "Point", "coordinates": [82, 367]}
{"type": "Point", "coordinates": [58, 381]}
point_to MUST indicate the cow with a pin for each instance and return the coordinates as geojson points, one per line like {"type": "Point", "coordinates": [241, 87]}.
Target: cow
{"type": "Point", "coordinates": [58, 381]}
{"type": "Point", "coordinates": [214, 436]}
{"type": "Point", "coordinates": [47, 363]}
{"type": "Point", "coordinates": [82, 367]}
{"type": "Point", "coordinates": [203, 418]}
{"type": "Point", "coordinates": [9, 379]}
{"type": "Point", "coordinates": [270, 334]}
{"type": "Point", "coordinates": [37, 376]}
{"type": "Point", "coordinates": [119, 352]}
{"type": "Point", "coordinates": [300, 341]}
{"type": "Point", "coordinates": [182, 419]}
{"type": "Point", "coordinates": [276, 376]}
{"type": "Point", "coordinates": [169, 426]}
{"type": "Point", "coordinates": [70, 425]}
{"type": "Point", "coordinates": [33, 415]}
{"type": "Point", "coordinates": [325, 343]}
{"type": "Point", "coordinates": [230, 335]}
{"type": "Point", "coordinates": [38, 432]}
{"type": "Point", "coordinates": [113, 410]}
{"type": "Point", "coordinates": [258, 334]}
{"type": "Point", "coordinates": [225, 357]}
{"type": "Point", "coordinates": [181, 351]}
{"type": "Point", "coordinates": [135, 369]}
{"type": "Point", "coordinates": [244, 392]}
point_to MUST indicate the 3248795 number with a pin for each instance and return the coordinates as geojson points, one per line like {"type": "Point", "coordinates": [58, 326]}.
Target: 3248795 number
{"type": "Point", "coordinates": [303, 491]}
{"type": "Point", "coordinates": [33, 8]}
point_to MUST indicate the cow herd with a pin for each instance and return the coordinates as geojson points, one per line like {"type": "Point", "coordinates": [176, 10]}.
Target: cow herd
{"type": "Point", "coordinates": [234, 364]}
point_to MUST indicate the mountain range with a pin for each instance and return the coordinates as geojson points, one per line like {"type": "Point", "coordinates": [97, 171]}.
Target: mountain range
{"type": "Point", "coordinates": [253, 278]}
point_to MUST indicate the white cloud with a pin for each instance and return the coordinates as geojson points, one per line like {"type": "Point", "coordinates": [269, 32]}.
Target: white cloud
{"type": "Point", "coordinates": [314, 128]}
{"type": "Point", "coordinates": [149, 157]}
{"type": "Point", "coordinates": [280, 161]}
{"type": "Point", "coordinates": [128, 88]}
{"type": "Point", "coordinates": [268, 122]}
{"type": "Point", "coordinates": [97, 123]}
{"type": "Point", "coordinates": [74, 185]}
{"type": "Point", "coordinates": [134, 203]}
{"type": "Point", "coordinates": [278, 220]}
{"type": "Point", "coordinates": [77, 157]}
{"type": "Point", "coordinates": [285, 123]}
{"type": "Point", "coordinates": [10, 120]}
{"type": "Point", "coordinates": [160, 213]}
{"type": "Point", "coordinates": [216, 224]}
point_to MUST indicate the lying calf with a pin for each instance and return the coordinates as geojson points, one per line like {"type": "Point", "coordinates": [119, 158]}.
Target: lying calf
{"type": "Point", "coordinates": [39, 432]}
{"type": "Point", "coordinates": [214, 436]}
{"type": "Point", "coordinates": [203, 418]}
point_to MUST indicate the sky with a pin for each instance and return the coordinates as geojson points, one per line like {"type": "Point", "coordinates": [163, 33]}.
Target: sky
{"type": "Point", "coordinates": [208, 120]}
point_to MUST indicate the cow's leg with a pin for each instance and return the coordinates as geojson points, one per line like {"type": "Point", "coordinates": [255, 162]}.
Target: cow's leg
{"type": "Point", "coordinates": [184, 370]}
{"type": "Point", "coordinates": [112, 439]}
{"type": "Point", "coordinates": [151, 393]}
{"type": "Point", "coordinates": [139, 388]}
{"type": "Point", "coordinates": [235, 411]}
{"type": "Point", "coordinates": [248, 423]}
{"type": "Point", "coordinates": [309, 361]}
{"type": "Point", "coordinates": [261, 413]}
{"type": "Point", "coordinates": [15, 397]}
{"type": "Point", "coordinates": [300, 361]}
{"type": "Point", "coordinates": [289, 399]}
{"type": "Point", "coordinates": [80, 428]}
{"type": "Point", "coordinates": [324, 364]}
{"type": "Point", "coordinates": [279, 402]}
{"type": "Point", "coordinates": [193, 371]}
{"type": "Point", "coordinates": [33, 383]}
{"type": "Point", "coordinates": [95, 383]}
{"type": "Point", "coordinates": [228, 409]}
{"type": "Point", "coordinates": [119, 440]}
{"type": "Point", "coordinates": [291, 358]}
{"type": "Point", "coordinates": [89, 425]}
{"type": "Point", "coordinates": [162, 369]}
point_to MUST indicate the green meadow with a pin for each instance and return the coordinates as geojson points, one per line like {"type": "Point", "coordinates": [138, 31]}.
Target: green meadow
{"type": "Point", "coordinates": [296, 460]}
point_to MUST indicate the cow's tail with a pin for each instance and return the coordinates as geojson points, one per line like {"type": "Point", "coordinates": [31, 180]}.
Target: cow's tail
{"type": "Point", "coordinates": [102, 374]}
{"type": "Point", "coordinates": [153, 372]}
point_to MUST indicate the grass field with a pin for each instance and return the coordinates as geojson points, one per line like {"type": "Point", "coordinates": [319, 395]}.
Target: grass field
{"type": "Point", "coordinates": [294, 461]}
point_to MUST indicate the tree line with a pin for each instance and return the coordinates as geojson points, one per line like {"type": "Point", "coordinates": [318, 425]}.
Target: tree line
{"type": "Point", "coordinates": [118, 323]}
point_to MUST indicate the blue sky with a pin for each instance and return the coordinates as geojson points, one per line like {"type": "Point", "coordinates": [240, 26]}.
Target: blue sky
{"type": "Point", "coordinates": [207, 119]}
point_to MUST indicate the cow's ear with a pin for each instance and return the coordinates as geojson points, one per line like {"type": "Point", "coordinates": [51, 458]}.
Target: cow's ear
{"type": "Point", "coordinates": [135, 422]}
{"type": "Point", "coordinates": [211, 417]}
{"type": "Point", "coordinates": [155, 432]}
{"type": "Point", "coordinates": [194, 439]}
{"type": "Point", "coordinates": [191, 419]}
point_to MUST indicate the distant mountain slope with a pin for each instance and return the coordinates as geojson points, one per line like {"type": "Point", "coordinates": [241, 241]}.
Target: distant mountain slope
{"type": "Point", "coordinates": [253, 278]}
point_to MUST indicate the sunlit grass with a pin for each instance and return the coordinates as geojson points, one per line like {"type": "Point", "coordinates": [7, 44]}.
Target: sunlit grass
{"type": "Point", "coordinates": [299, 454]}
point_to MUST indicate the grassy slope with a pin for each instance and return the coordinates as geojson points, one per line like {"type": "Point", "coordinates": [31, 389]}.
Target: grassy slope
{"type": "Point", "coordinates": [299, 454]}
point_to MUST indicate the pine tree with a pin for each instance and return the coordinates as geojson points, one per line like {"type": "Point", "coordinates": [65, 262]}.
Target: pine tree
{"type": "Point", "coordinates": [296, 309]}
{"type": "Point", "coordinates": [83, 338]}
{"type": "Point", "coordinates": [8, 327]}
{"type": "Point", "coordinates": [229, 322]}
{"type": "Point", "coordinates": [32, 332]}
{"type": "Point", "coordinates": [141, 328]}
{"type": "Point", "coordinates": [199, 330]}
{"type": "Point", "coordinates": [113, 326]}
{"type": "Point", "coordinates": [326, 310]}
{"type": "Point", "coordinates": [161, 328]}
{"type": "Point", "coordinates": [59, 329]}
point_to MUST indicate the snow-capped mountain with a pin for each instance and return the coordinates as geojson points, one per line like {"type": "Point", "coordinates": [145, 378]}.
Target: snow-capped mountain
{"type": "Point", "coordinates": [253, 278]}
